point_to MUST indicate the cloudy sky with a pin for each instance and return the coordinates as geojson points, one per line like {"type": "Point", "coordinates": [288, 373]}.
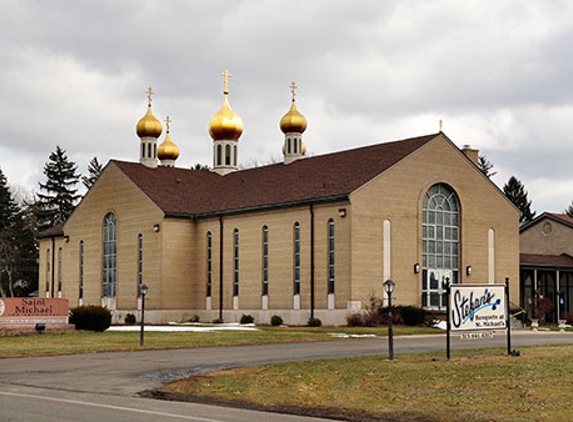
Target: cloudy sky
{"type": "Point", "coordinates": [499, 74]}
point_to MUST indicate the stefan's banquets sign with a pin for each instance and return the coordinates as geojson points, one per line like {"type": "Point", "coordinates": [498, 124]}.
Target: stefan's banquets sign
{"type": "Point", "coordinates": [34, 310]}
{"type": "Point", "coordinates": [477, 307]}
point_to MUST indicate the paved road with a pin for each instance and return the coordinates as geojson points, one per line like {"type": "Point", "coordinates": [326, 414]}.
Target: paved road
{"type": "Point", "coordinates": [104, 387]}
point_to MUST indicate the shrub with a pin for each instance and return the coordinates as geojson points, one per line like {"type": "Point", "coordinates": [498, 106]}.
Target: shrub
{"type": "Point", "coordinates": [314, 322]}
{"type": "Point", "coordinates": [569, 318]}
{"type": "Point", "coordinates": [130, 319]}
{"type": "Point", "coordinates": [276, 321]}
{"type": "Point", "coordinates": [246, 319]}
{"type": "Point", "coordinates": [412, 315]}
{"type": "Point", "coordinates": [355, 320]}
{"type": "Point", "coordinates": [91, 318]}
{"type": "Point", "coordinates": [217, 321]}
{"type": "Point", "coordinates": [195, 318]}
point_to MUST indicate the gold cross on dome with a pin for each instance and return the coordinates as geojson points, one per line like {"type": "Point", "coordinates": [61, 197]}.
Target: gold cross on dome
{"type": "Point", "coordinates": [167, 123]}
{"type": "Point", "coordinates": [293, 89]}
{"type": "Point", "coordinates": [149, 94]}
{"type": "Point", "coordinates": [441, 125]}
{"type": "Point", "coordinates": [226, 75]}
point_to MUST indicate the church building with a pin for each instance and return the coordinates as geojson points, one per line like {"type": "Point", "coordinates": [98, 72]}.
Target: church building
{"type": "Point", "coordinates": [307, 237]}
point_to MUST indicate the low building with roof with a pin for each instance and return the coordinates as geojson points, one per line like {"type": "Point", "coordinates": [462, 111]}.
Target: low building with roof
{"type": "Point", "coordinates": [546, 266]}
{"type": "Point", "coordinates": [307, 237]}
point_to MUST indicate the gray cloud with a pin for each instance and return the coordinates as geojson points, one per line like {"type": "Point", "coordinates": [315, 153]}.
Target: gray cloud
{"type": "Point", "coordinates": [74, 73]}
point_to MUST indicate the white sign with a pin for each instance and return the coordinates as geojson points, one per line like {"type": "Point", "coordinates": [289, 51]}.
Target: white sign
{"type": "Point", "coordinates": [477, 307]}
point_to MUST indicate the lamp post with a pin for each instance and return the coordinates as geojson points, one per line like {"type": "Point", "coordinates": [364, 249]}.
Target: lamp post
{"type": "Point", "coordinates": [143, 289]}
{"type": "Point", "coordinates": [389, 289]}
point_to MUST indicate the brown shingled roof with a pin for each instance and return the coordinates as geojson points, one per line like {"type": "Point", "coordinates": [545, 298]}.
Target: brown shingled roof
{"type": "Point", "coordinates": [563, 260]}
{"type": "Point", "coordinates": [327, 177]}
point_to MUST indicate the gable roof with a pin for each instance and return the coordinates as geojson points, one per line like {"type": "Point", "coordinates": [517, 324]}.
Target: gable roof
{"type": "Point", "coordinates": [183, 192]}
{"type": "Point", "coordinates": [559, 218]}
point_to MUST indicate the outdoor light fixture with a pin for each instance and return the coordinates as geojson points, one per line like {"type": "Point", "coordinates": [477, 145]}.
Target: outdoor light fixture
{"type": "Point", "coordinates": [469, 270]}
{"type": "Point", "coordinates": [143, 289]}
{"type": "Point", "coordinates": [389, 286]}
{"type": "Point", "coordinates": [156, 228]}
{"type": "Point", "coordinates": [416, 268]}
{"type": "Point", "coordinates": [342, 212]}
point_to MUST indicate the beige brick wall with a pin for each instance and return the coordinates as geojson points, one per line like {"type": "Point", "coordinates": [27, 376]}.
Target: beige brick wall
{"type": "Point", "coordinates": [554, 240]}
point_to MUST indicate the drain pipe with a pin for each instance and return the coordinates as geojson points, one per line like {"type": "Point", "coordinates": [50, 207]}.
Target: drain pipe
{"type": "Point", "coordinates": [221, 268]}
{"type": "Point", "coordinates": [311, 261]}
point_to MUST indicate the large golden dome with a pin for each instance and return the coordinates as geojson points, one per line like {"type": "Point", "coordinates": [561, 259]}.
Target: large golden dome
{"type": "Point", "coordinates": [168, 150]}
{"type": "Point", "coordinates": [225, 124]}
{"type": "Point", "coordinates": [148, 126]}
{"type": "Point", "coordinates": [293, 121]}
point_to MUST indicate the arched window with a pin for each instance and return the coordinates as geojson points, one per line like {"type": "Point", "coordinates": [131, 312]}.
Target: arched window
{"type": "Point", "coordinates": [81, 292]}
{"type": "Point", "coordinates": [265, 286]}
{"type": "Point", "coordinates": [209, 281]}
{"type": "Point", "coordinates": [296, 259]}
{"type": "Point", "coordinates": [236, 262]}
{"type": "Point", "coordinates": [235, 156]}
{"type": "Point", "coordinates": [60, 263]}
{"type": "Point", "coordinates": [109, 255]}
{"type": "Point", "coordinates": [440, 244]}
{"type": "Point", "coordinates": [48, 272]}
{"type": "Point", "coordinates": [219, 155]}
{"type": "Point", "coordinates": [227, 155]}
{"type": "Point", "coordinates": [331, 256]}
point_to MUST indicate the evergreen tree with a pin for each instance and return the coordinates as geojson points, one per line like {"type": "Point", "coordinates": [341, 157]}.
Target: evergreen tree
{"type": "Point", "coordinates": [18, 247]}
{"type": "Point", "coordinates": [569, 210]}
{"type": "Point", "coordinates": [94, 170]}
{"type": "Point", "coordinates": [485, 166]}
{"type": "Point", "coordinates": [58, 201]}
{"type": "Point", "coordinates": [516, 193]}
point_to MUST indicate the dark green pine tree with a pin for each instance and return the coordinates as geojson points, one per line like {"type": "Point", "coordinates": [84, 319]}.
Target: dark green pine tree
{"type": "Point", "coordinates": [516, 193]}
{"type": "Point", "coordinates": [569, 210]}
{"type": "Point", "coordinates": [8, 206]}
{"type": "Point", "coordinates": [485, 166]}
{"type": "Point", "coordinates": [94, 171]}
{"type": "Point", "coordinates": [59, 193]}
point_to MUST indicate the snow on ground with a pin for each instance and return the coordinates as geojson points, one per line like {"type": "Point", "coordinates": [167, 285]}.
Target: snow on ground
{"type": "Point", "coordinates": [186, 327]}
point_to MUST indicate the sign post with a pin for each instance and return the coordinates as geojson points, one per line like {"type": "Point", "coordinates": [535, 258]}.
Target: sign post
{"type": "Point", "coordinates": [475, 310]}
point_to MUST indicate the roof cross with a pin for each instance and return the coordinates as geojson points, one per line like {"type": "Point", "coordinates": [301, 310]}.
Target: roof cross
{"type": "Point", "coordinates": [441, 125]}
{"type": "Point", "coordinates": [226, 75]}
{"type": "Point", "coordinates": [293, 89]}
{"type": "Point", "coordinates": [149, 94]}
{"type": "Point", "coordinates": [167, 123]}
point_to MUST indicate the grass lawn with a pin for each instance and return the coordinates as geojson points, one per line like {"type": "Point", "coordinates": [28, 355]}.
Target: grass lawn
{"type": "Point", "coordinates": [476, 386]}
{"type": "Point", "coordinates": [73, 342]}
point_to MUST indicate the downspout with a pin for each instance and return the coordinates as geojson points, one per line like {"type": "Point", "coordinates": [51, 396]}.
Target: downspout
{"type": "Point", "coordinates": [311, 261]}
{"type": "Point", "coordinates": [221, 268]}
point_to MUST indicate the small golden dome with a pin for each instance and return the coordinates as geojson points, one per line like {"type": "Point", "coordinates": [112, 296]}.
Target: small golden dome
{"type": "Point", "coordinates": [148, 126]}
{"type": "Point", "coordinates": [168, 150]}
{"type": "Point", "coordinates": [303, 149]}
{"type": "Point", "coordinates": [225, 124]}
{"type": "Point", "coordinates": [293, 121]}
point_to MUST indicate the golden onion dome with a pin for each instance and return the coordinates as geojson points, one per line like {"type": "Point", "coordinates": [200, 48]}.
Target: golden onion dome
{"type": "Point", "coordinates": [148, 126]}
{"type": "Point", "coordinates": [168, 150]}
{"type": "Point", "coordinates": [293, 121]}
{"type": "Point", "coordinates": [303, 149]}
{"type": "Point", "coordinates": [225, 124]}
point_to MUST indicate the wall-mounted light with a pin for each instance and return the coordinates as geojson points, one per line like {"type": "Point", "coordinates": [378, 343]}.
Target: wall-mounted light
{"type": "Point", "coordinates": [156, 228]}
{"type": "Point", "coordinates": [66, 239]}
{"type": "Point", "coordinates": [416, 268]}
{"type": "Point", "coordinates": [342, 212]}
{"type": "Point", "coordinates": [469, 270]}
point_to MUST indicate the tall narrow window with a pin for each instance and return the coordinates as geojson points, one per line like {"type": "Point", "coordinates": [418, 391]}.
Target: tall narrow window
{"type": "Point", "coordinates": [236, 262]}
{"type": "Point", "coordinates": [47, 273]}
{"type": "Point", "coordinates": [81, 292]}
{"type": "Point", "coordinates": [265, 261]}
{"type": "Point", "coordinates": [139, 261]}
{"type": "Point", "coordinates": [330, 256]}
{"type": "Point", "coordinates": [296, 259]}
{"type": "Point", "coordinates": [227, 155]}
{"type": "Point", "coordinates": [60, 262]}
{"type": "Point", "coordinates": [440, 244]}
{"type": "Point", "coordinates": [219, 155]}
{"type": "Point", "coordinates": [209, 281]}
{"type": "Point", "coordinates": [109, 255]}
